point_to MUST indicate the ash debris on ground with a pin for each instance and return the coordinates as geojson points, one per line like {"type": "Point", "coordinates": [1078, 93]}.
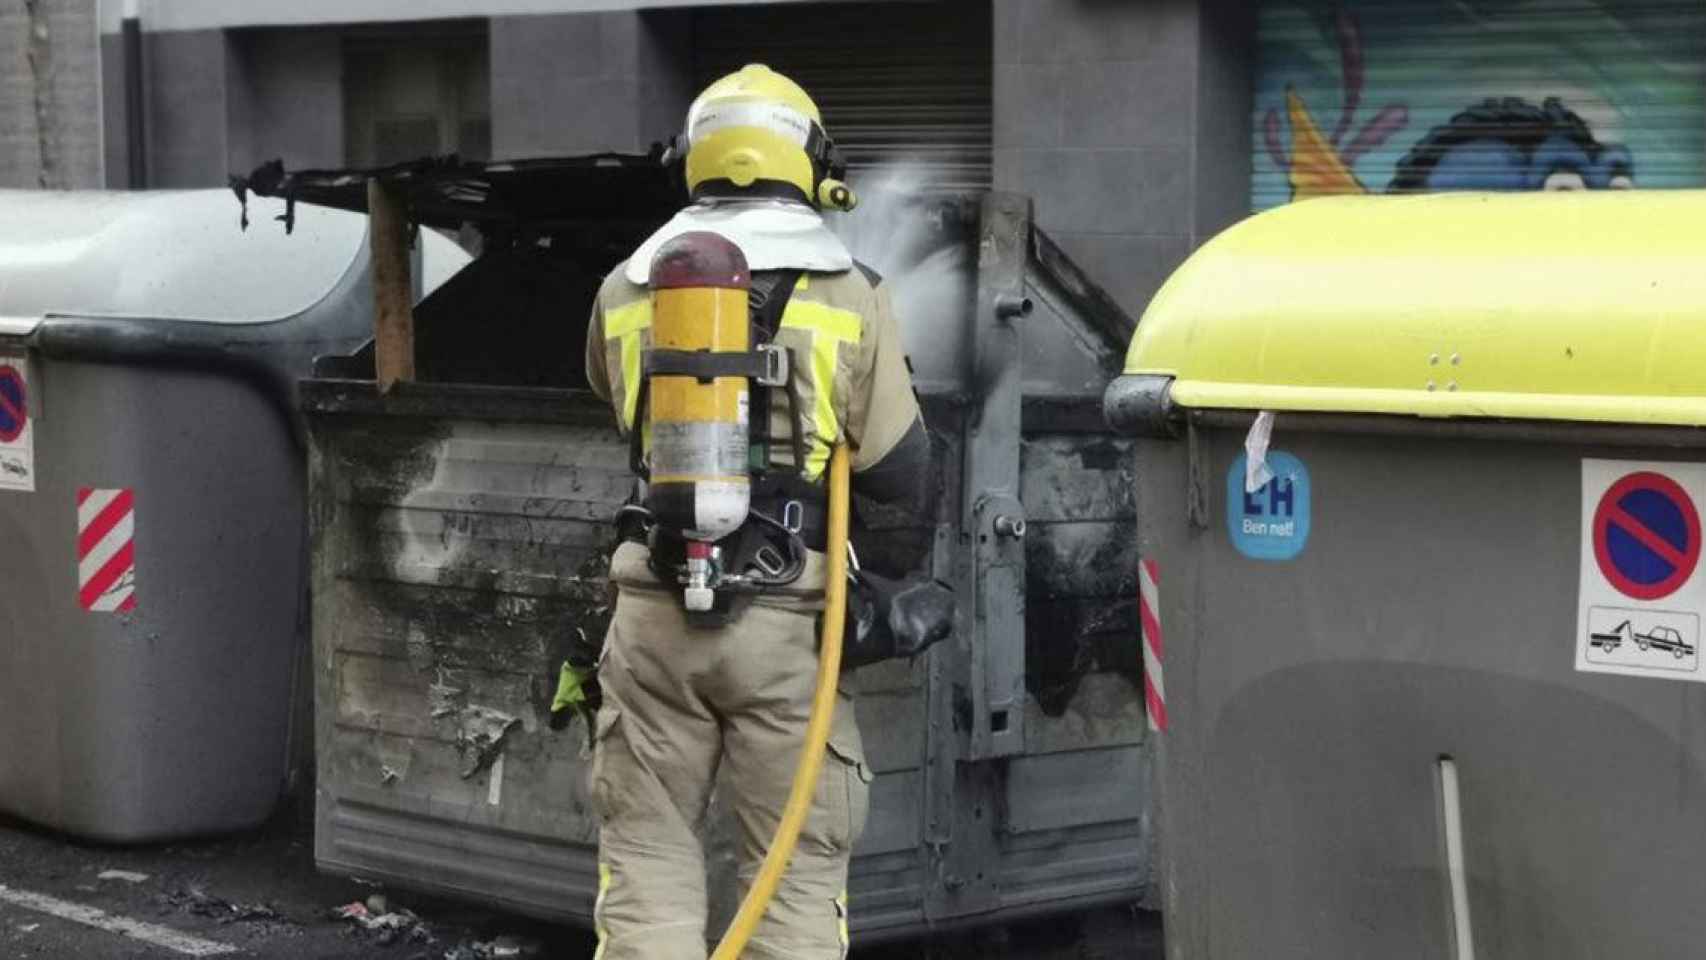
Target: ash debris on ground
{"type": "Point", "coordinates": [203, 904]}
{"type": "Point", "coordinates": [502, 948]}
{"type": "Point", "coordinates": [387, 926]}
{"type": "Point", "coordinates": [377, 920]}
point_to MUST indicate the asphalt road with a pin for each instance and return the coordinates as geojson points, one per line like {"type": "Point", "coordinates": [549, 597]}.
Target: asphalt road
{"type": "Point", "coordinates": [259, 896]}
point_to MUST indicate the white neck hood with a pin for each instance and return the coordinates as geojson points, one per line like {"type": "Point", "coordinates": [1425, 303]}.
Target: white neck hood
{"type": "Point", "coordinates": [773, 234]}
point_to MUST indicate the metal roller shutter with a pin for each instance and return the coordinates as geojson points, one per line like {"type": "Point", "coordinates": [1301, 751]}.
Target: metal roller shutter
{"type": "Point", "coordinates": [895, 81]}
{"type": "Point", "coordinates": [1412, 96]}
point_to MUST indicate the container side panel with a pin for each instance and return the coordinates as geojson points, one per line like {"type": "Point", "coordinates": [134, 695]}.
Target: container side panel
{"type": "Point", "coordinates": [1075, 805]}
{"type": "Point", "coordinates": [456, 559]}
{"type": "Point", "coordinates": [1081, 570]}
{"type": "Point", "coordinates": [1170, 531]}
{"type": "Point", "coordinates": [114, 720]}
{"type": "Point", "coordinates": [1432, 614]}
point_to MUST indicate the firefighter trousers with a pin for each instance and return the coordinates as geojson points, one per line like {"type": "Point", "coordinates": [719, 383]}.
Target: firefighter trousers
{"type": "Point", "coordinates": [679, 702]}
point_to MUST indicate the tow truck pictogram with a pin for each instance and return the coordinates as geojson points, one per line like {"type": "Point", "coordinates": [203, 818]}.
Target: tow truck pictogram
{"type": "Point", "coordinates": [1658, 638]}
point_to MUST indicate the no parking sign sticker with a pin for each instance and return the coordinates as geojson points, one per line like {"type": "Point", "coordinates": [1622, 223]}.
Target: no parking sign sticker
{"type": "Point", "coordinates": [1643, 594]}
{"type": "Point", "coordinates": [17, 432]}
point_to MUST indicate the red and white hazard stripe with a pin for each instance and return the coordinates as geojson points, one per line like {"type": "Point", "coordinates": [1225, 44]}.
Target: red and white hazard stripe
{"type": "Point", "coordinates": [106, 553]}
{"type": "Point", "coordinates": [1149, 614]}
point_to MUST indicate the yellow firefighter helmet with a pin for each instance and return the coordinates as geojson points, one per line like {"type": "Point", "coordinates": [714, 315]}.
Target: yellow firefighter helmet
{"type": "Point", "coordinates": [757, 133]}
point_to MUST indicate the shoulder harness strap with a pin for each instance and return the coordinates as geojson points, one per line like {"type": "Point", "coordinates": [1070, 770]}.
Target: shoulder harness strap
{"type": "Point", "coordinates": [766, 308]}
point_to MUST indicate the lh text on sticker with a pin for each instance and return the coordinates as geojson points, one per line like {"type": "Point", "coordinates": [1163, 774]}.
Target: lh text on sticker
{"type": "Point", "coordinates": [1271, 523]}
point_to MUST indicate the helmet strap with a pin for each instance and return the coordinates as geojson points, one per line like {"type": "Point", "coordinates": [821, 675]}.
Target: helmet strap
{"type": "Point", "coordinates": [723, 188]}
{"type": "Point", "coordinates": [675, 151]}
{"type": "Point", "coordinates": [826, 160]}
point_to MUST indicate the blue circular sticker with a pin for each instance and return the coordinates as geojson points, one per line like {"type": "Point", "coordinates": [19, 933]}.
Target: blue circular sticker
{"type": "Point", "coordinates": [1271, 523]}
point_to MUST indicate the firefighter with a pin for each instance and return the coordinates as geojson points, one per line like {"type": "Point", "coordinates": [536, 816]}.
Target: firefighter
{"type": "Point", "coordinates": [707, 670]}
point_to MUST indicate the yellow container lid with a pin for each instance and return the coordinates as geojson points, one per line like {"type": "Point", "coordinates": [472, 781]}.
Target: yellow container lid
{"type": "Point", "coordinates": [1585, 306]}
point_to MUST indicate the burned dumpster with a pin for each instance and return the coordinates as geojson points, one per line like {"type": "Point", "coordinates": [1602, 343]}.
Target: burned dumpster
{"type": "Point", "coordinates": [462, 529]}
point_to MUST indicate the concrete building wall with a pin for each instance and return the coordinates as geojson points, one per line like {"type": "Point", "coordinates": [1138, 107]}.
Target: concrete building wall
{"type": "Point", "coordinates": [1225, 101]}
{"type": "Point", "coordinates": [587, 82]}
{"type": "Point", "coordinates": [114, 137]}
{"type": "Point", "coordinates": [186, 75]}
{"type": "Point", "coordinates": [221, 101]}
{"type": "Point", "coordinates": [285, 99]}
{"type": "Point", "coordinates": [1128, 123]}
{"type": "Point", "coordinates": [204, 14]}
{"type": "Point", "coordinates": [50, 94]}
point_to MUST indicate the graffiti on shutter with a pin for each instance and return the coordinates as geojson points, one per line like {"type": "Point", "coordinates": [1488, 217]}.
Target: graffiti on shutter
{"type": "Point", "coordinates": [1412, 97]}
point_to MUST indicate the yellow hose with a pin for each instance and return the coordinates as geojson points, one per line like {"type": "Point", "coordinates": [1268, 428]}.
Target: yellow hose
{"type": "Point", "coordinates": [817, 728]}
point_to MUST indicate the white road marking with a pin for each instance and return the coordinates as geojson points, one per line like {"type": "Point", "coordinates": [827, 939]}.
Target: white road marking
{"type": "Point", "coordinates": [127, 876]}
{"type": "Point", "coordinates": [1462, 928]}
{"type": "Point", "coordinates": [124, 926]}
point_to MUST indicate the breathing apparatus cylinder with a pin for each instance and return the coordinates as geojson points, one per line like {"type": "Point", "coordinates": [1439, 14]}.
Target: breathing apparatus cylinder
{"type": "Point", "coordinates": [700, 480]}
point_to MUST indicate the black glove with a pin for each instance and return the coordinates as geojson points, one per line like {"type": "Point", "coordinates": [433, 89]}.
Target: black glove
{"type": "Point", "coordinates": [894, 618]}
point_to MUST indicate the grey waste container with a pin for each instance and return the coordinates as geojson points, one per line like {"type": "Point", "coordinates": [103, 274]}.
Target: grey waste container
{"type": "Point", "coordinates": [1432, 689]}
{"type": "Point", "coordinates": [152, 535]}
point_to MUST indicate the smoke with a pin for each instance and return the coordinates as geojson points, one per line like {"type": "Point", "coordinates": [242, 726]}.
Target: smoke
{"type": "Point", "coordinates": [892, 228]}
{"type": "Point", "coordinates": [897, 231]}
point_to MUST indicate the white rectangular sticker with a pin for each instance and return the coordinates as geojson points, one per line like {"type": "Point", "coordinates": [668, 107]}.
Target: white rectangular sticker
{"type": "Point", "coordinates": [17, 431]}
{"type": "Point", "coordinates": [1642, 593]}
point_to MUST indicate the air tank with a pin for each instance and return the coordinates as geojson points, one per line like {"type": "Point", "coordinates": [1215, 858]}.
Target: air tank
{"type": "Point", "coordinates": [698, 427]}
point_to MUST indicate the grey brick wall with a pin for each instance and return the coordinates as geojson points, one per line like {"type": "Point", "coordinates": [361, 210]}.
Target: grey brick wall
{"type": "Point", "coordinates": [1128, 123]}
{"type": "Point", "coordinates": [50, 124]}
{"type": "Point", "coordinates": [586, 82]}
